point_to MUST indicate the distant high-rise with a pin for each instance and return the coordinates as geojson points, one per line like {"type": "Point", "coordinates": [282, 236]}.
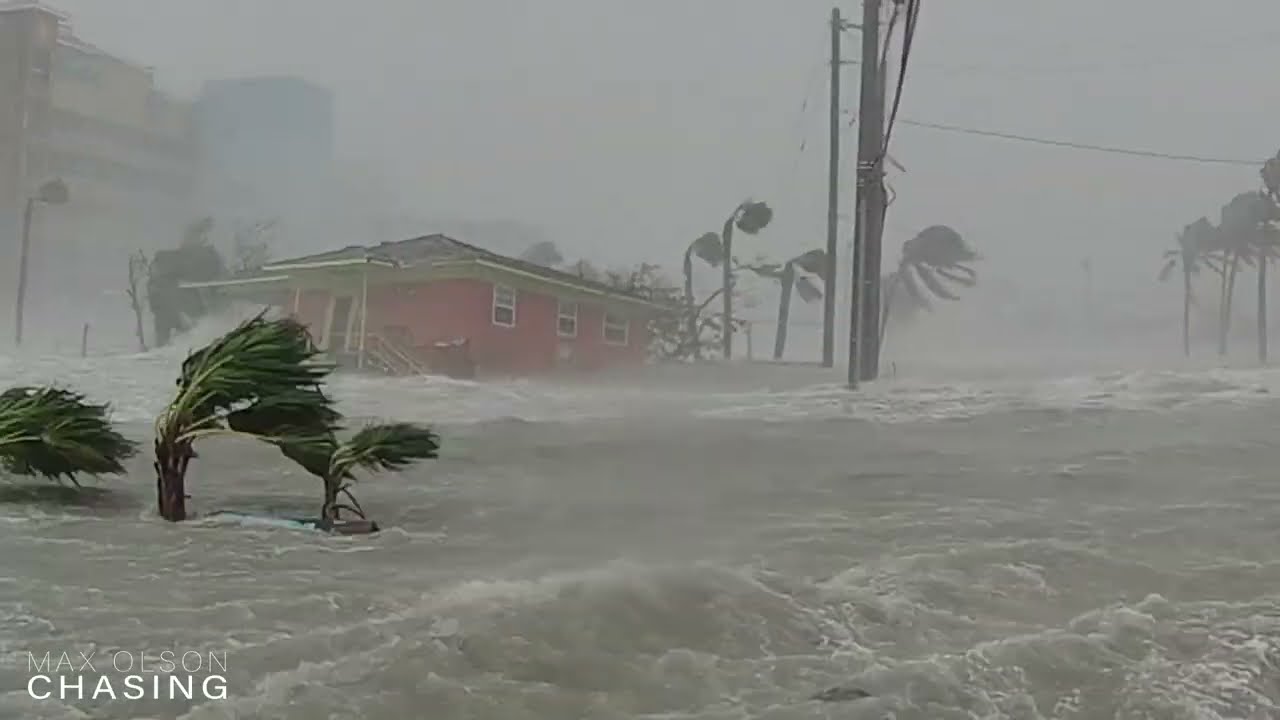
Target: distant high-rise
{"type": "Point", "coordinates": [124, 148]}
{"type": "Point", "coordinates": [265, 142]}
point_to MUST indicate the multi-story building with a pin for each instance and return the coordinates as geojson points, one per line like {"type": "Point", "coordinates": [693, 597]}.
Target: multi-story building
{"type": "Point", "coordinates": [125, 149]}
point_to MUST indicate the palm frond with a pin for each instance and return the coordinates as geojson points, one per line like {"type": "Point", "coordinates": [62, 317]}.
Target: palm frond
{"type": "Point", "coordinates": [958, 274]}
{"type": "Point", "coordinates": [393, 446]}
{"type": "Point", "coordinates": [709, 249]}
{"type": "Point", "coordinates": [931, 281]}
{"type": "Point", "coordinates": [752, 217]}
{"type": "Point", "coordinates": [814, 262]}
{"type": "Point", "coordinates": [56, 434]}
{"type": "Point", "coordinates": [936, 246]}
{"type": "Point", "coordinates": [265, 372]}
{"type": "Point", "coordinates": [909, 285]}
{"type": "Point", "coordinates": [1167, 269]}
{"type": "Point", "coordinates": [807, 289]}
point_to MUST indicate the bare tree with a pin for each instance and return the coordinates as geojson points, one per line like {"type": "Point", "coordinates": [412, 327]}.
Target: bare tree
{"type": "Point", "coordinates": [253, 246]}
{"type": "Point", "coordinates": [139, 271]}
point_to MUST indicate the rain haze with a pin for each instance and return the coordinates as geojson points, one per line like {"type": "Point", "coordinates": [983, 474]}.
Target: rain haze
{"type": "Point", "coordinates": [1056, 500]}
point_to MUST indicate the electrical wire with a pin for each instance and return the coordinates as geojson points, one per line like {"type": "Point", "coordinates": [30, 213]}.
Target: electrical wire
{"type": "Point", "coordinates": [908, 35]}
{"type": "Point", "coordinates": [1079, 146]}
{"type": "Point", "coordinates": [1184, 53]}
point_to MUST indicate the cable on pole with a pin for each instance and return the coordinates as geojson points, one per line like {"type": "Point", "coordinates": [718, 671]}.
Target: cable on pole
{"type": "Point", "coordinates": [1080, 146]}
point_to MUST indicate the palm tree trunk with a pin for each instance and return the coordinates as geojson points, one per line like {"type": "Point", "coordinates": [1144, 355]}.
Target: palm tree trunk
{"type": "Point", "coordinates": [784, 310]}
{"type": "Point", "coordinates": [888, 302]}
{"type": "Point", "coordinates": [1224, 302]}
{"type": "Point", "coordinates": [1262, 310]}
{"type": "Point", "coordinates": [329, 511]}
{"type": "Point", "coordinates": [726, 239]}
{"type": "Point", "coordinates": [171, 475]}
{"type": "Point", "coordinates": [691, 345]}
{"type": "Point", "coordinates": [1222, 305]}
{"type": "Point", "coordinates": [1186, 310]}
{"type": "Point", "coordinates": [1230, 305]}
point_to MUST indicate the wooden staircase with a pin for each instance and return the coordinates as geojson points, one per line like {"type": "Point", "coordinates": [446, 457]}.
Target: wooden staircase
{"type": "Point", "coordinates": [394, 356]}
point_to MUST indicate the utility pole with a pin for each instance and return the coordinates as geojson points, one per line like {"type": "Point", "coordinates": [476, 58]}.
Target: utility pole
{"type": "Point", "coordinates": [838, 26]}
{"type": "Point", "coordinates": [864, 312]}
{"type": "Point", "coordinates": [876, 210]}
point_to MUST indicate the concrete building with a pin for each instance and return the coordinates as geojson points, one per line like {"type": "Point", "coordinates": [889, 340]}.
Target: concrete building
{"type": "Point", "coordinates": [125, 149]}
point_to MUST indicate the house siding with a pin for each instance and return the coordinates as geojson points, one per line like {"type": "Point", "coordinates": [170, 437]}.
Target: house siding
{"type": "Point", "coordinates": [454, 309]}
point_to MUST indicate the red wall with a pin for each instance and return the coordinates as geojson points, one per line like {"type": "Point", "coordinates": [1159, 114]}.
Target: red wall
{"type": "Point", "coordinates": [447, 310]}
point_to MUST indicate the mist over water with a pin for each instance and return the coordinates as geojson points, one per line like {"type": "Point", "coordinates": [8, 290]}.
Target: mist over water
{"type": "Point", "coordinates": [1041, 511]}
{"type": "Point", "coordinates": [694, 543]}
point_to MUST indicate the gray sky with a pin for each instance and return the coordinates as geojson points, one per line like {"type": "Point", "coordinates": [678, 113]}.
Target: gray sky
{"type": "Point", "coordinates": [628, 128]}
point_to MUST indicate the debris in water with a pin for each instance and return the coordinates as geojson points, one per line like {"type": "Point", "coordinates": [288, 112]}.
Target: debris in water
{"type": "Point", "coordinates": [841, 693]}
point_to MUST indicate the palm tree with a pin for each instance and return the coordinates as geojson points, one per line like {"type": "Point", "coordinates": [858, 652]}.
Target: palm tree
{"type": "Point", "coordinates": [1271, 177]}
{"type": "Point", "coordinates": [813, 262]}
{"type": "Point", "coordinates": [1271, 191]}
{"type": "Point", "coordinates": [710, 250]}
{"type": "Point", "coordinates": [1245, 236]}
{"type": "Point", "coordinates": [56, 434]}
{"type": "Point", "coordinates": [261, 380]}
{"type": "Point", "coordinates": [750, 217]}
{"type": "Point", "coordinates": [934, 257]}
{"type": "Point", "coordinates": [392, 446]}
{"type": "Point", "coordinates": [1194, 243]}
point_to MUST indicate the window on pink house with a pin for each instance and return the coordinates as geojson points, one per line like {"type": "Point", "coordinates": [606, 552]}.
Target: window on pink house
{"type": "Point", "coordinates": [616, 329]}
{"type": "Point", "coordinates": [504, 306]}
{"type": "Point", "coordinates": [567, 320]}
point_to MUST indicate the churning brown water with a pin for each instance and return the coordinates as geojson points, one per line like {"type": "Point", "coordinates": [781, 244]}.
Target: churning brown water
{"type": "Point", "coordinates": [1096, 547]}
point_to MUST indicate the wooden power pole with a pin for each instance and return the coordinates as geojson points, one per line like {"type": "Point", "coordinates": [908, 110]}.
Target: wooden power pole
{"type": "Point", "coordinates": [833, 198]}
{"type": "Point", "coordinates": [864, 315]}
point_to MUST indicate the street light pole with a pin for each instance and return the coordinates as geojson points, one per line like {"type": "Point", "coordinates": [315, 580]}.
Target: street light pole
{"type": "Point", "coordinates": [22, 271]}
{"type": "Point", "coordinates": [53, 192]}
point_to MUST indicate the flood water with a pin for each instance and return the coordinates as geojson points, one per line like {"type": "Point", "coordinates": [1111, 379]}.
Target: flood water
{"type": "Point", "coordinates": [1088, 547]}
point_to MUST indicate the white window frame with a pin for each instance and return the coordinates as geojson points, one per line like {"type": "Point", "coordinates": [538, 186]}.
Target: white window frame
{"type": "Point", "coordinates": [626, 328]}
{"type": "Point", "coordinates": [561, 316]}
{"type": "Point", "coordinates": [493, 311]}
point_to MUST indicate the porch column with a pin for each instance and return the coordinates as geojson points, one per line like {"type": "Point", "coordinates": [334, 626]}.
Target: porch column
{"type": "Point", "coordinates": [364, 314]}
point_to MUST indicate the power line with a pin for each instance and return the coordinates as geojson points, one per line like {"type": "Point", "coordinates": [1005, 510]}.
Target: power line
{"type": "Point", "coordinates": [908, 34]}
{"type": "Point", "coordinates": [1079, 146]}
{"type": "Point", "coordinates": [1140, 60]}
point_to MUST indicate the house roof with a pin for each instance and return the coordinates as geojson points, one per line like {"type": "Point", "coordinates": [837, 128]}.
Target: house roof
{"type": "Point", "coordinates": [437, 249]}
{"type": "Point", "coordinates": [237, 281]}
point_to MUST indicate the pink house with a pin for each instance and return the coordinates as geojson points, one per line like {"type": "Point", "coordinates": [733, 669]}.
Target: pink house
{"type": "Point", "coordinates": [434, 304]}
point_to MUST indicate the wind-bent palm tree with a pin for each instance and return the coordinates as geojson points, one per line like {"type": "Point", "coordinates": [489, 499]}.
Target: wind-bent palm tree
{"type": "Point", "coordinates": [813, 262]}
{"type": "Point", "coordinates": [392, 446]}
{"type": "Point", "coordinates": [56, 434]}
{"type": "Point", "coordinates": [1194, 243]}
{"type": "Point", "coordinates": [934, 257]}
{"type": "Point", "coordinates": [1245, 236]}
{"type": "Point", "coordinates": [710, 250]}
{"type": "Point", "coordinates": [1271, 175]}
{"type": "Point", "coordinates": [262, 381]}
{"type": "Point", "coordinates": [750, 217]}
{"type": "Point", "coordinates": [1271, 191]}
